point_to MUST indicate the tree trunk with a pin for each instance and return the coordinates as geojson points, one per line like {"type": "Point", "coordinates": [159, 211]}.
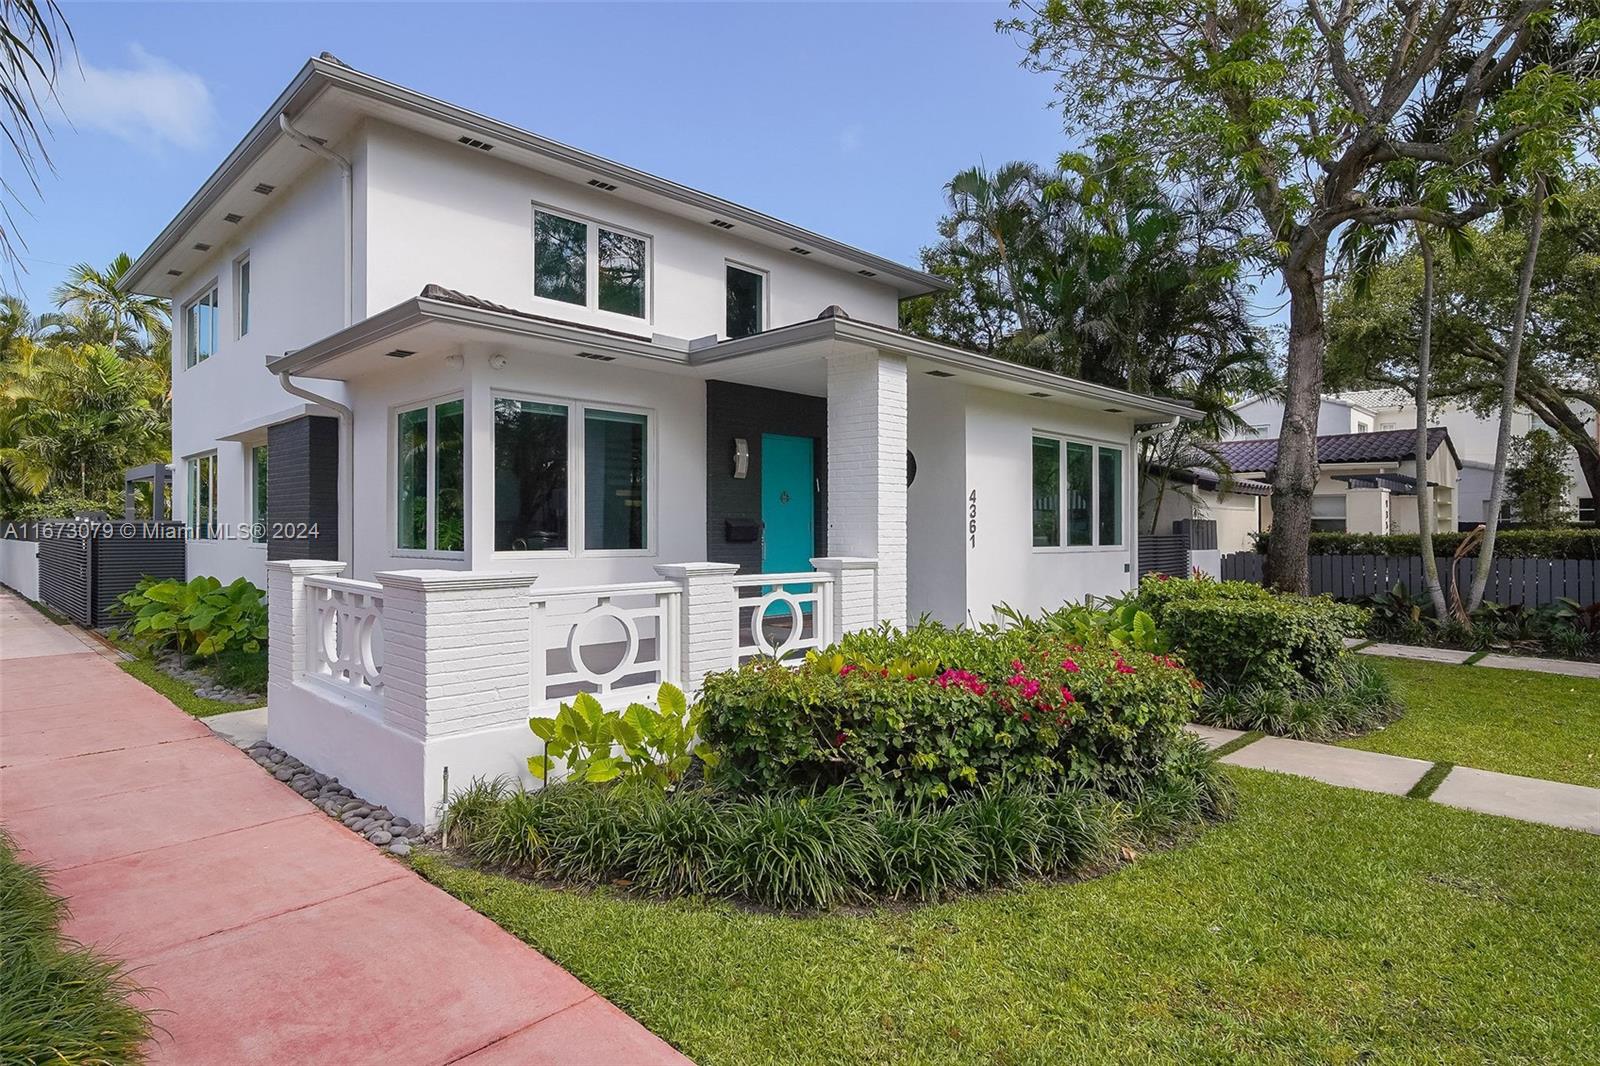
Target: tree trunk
{"type": "Point", "coordinates": [1430, 565]}
{"type": "Point", "coordinates": [1295, 479]}
{"type": "Point", "coordinates": [1589, 464]}
{"type": "Point", "coordinates": [1508, 400]}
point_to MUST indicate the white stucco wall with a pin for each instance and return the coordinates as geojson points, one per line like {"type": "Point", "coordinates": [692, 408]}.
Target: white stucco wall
{"type": "Point", "coordinates": [936, 502]}
{"type": "Point", "coordinates": [1332, 417]}
{"type": "Point", "coordinates": [464, 219]}
{"type": "Point", "coordinates": [19, 566]}
{"type": "Point", "coordinates": [1236, 514]}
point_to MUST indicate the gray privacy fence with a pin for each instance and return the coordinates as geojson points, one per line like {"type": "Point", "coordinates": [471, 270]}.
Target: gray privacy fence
{"type": "Point", "coordinates": [1533, 582]}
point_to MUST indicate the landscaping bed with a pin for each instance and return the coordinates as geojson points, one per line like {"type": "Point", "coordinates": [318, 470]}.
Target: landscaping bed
{"type": "Point", "coordinates": [200, 643]}
{"type": "Point", "coordinates": [1322, 924]}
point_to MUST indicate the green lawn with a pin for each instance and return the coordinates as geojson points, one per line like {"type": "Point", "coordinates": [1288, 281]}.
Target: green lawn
{"type": "Point", "coordinates": [1513, 721]}
{"type": "Point", "coordinates": [1322, 925]}
{"type": "Point", "coordinates": [179, 692]}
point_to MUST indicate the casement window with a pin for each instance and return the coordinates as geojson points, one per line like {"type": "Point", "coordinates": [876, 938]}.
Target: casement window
{"type": "Point", "coordinates": [542, 449]}
{"type": "Point", "coordinates": [747, 294]}
{"type": "Point", "coordinates": [200, 329]}
{"type": "Point", "coordinates": [202, 496]}
{"type": "Point", "coordinates": [258, 493]}
{"type": "Point", "coordinates": [1328, 513]}
{"type": "Point", "coordinates": [589, 265]}
{"type": "Point", "coordinates": [1077, 494]}
{"type": "Point", "coordinates": [241, 295]}
{"type": "Point", "coordinates": [430, 500]}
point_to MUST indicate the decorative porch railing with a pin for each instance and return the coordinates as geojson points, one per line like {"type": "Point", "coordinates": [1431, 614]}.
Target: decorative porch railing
{"type": "Point", "coordinates": [781, 615]}
{"type": "Point", "coordinates": [614, 641]}
{"type": "Point", "coordinates": [346, 646]}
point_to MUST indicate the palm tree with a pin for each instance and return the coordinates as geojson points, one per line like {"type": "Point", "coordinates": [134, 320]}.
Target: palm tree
{"type": "Point", "coordinates": [1002, 211]}
{"type": "Point", "coordinates": [34, 38]}
{"type": "Point", "coordinates": [100, 302]}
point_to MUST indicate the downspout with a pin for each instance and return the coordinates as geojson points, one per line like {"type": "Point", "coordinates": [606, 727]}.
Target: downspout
{"type": "Point", "coordinates": [346, 416]}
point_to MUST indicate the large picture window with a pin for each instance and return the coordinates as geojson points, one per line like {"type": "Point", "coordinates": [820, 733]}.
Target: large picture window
{"type": "Point", "coordinates": [1077, 494]}
{"type": "Point", "coordinates": [200, 329]}
{"type": "Point", "coordinates": [202, 496]}
{"type": "Point", "coordinates": [590, 265]}
{"type": "Point", "coordinates": [430, 511]}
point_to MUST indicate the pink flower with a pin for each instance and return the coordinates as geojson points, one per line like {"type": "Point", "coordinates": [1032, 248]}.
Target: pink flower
{"type": "Point", "coordinates": [1030, 688]}
{"type": "Point", "coordinates": [1067, 696]}
{"type": "Point", "coordinates": [848, 669]}
{"type": "Point", "coordinates": [1124, 668]}
{"type": "Point", "coordinates": [1069, 666]}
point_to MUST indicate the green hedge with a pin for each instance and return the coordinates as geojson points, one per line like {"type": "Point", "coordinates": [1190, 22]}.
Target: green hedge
{"type": "Point", "coordinates": [1237, 634]}
{"type": "Point", "coordinates": [1572, 543]}
{"type": "Point", "coordinates": [933, 711]}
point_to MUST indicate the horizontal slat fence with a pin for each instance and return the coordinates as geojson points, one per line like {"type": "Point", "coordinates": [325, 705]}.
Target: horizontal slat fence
{"type": "Point", "coordinates": [1533, 582]}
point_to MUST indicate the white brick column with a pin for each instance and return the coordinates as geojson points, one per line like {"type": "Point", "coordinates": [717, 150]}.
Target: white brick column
{"type": "Point", "coordinates": [707, 639]}
{"type": "Point", "coordinates": [288, 620]}
{"type": "Point", "coordinates": [855, 584]}
{"type": "Point", "coordinates": [867, 470]}
{"type": "Point", "coordinates": [456, 647]}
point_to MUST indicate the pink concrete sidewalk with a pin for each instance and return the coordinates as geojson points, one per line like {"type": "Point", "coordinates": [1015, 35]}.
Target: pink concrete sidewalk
{"type": "Point", "coordinates": [266, 933]}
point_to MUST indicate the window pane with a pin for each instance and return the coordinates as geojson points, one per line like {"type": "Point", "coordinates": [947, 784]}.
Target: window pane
{"type": "Point", "coordinates": [1080, 483]}
{"type": "Point", "coordinates": [530, 476]}
{"type": "Point", "coordinates": [411, 498]}
{"type": "Point", "coordinates": [244, 297]}
{"type": "Point", "coordinates": [449, 523]}
{"type": "Point", "coordinates": [744, 302]}
{"type": "Point", "coordinates": [202, 497]}
{"type": "Point", "coordinates": [1046, 493]}
{"type": "Point", "coordinates": [258, 500]}
{"type": "Point", "coordinates": [621, 274]}
{"type": "Point", "coordinates": [1110, 496]}
{"type": "Point", "coordinates": [560, 259]}
{"type": "Point", "coordinates": [613, 480]}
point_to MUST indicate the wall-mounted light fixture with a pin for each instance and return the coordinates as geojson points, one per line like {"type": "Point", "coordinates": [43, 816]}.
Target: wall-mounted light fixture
{"type": "Point", "coordinates": [741, 457]}
{"type": "Point", "coordinates": [498, 361]}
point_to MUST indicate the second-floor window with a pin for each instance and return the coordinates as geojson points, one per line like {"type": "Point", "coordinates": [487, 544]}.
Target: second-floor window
{"type": "Point", "coordinates": [590, 265]}
{"type": "Point", "coordinates": [746, 299]}
{"type": "Point", "coordinates": [200, 329]}
{"type": "Point", "coordinates": [241, 293]}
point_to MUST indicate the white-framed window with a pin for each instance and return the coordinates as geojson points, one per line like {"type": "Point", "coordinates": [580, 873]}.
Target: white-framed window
{"type": "Point", "coordinates": [747, 300]}
{"type": "Point", "coordinates": [1328, 513]}
{"type": "Point", "coordinates": [1259, 431]}
{"type": "Point", "coordinates": [200, 328]}
{"type": "Point", "coordinates": [1363, 427]}
{"type": "Point", "coordinates": [571, 477]}
{"type": "Point", "coordinates": [590, 264]}
{"type": "Point", "coordinates": [430, 477]}
{"type": "Point", "coordinates": [202, 495]}
{"type": "Point", "coordinates": [1077, 493]}
{"type": "Point", "coordinates": [258, 493]}
{"type": "Point", "coordinates": [1586, 510]}
{"type": "Point", "coordinates": [241, 295]}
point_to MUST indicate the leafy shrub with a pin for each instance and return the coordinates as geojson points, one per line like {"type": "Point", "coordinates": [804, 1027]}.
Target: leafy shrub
{"type": "Point", "coordinates": [925, 852]}
{"type": "Point", "coordinates": [1576, 542]}
{"type": "Point", "coordinates": [1189, 789]}
{"type": "Point", "coordinates": [1357, 700]}
{"type": "Point", "coordinates": [675, 846]}
{"type": "Point", "coordinates": [793, 851]}
{"type": "Point", "coordinates": [930, 711]}
{"type": "Point", "coordinates": [202, 616]}
{"type": "Point", "coordinates": [654, 742]}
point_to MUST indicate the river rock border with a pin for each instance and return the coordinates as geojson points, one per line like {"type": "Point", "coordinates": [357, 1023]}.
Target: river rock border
{"type": "Point", "coordinates": [371, 821]}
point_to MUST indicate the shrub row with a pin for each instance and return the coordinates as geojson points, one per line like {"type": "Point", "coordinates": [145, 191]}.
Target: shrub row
{"type": "Point", "coordinates": [796, 850]}
{"type": "Point", "coordinates": [1577, 542]}
{"type": "Point", "coordinates": [931, 711]}
{"type": "Point", "coordinates": [1361, 700]}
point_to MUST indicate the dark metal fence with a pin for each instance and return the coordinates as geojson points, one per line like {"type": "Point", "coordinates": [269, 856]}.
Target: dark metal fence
{"type": "Point", "coordinates": [84, 566]}
{"type": "Point", "coordinates": [1534, 582]}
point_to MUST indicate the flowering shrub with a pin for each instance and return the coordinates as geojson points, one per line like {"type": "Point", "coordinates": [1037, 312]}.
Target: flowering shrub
{"type": "Point", "coordinates": [930, 711]}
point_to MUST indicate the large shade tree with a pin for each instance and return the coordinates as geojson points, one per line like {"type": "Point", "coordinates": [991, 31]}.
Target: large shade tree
{"type": "Point", "coordinates": [1302, 104]}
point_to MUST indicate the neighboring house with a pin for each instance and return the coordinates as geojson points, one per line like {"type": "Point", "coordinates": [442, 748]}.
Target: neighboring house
{"type": "Point", "coordinates": [411, 336]}
{"type": "Point", "coordinates": [1235, 504]}
{"type": "Point", "coordinates": [1264, 415]}
{"type": "Point", "coordinates": [1366, 482]}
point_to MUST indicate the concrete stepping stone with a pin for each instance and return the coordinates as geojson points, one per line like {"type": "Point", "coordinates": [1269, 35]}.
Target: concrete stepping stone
{"type": "Point", "coordinates": [1525, 798]}
{"type": "Point", "coordinates": [1214, 735]}
{"type": "Point", "coordinates": [244, 728]}
{"type": "Point", "coordinates": [1565, 667]}
{"type": "Point", "coordinates": [1411, 651]}
{"type": "Point", "coordinates": [1334, 766]}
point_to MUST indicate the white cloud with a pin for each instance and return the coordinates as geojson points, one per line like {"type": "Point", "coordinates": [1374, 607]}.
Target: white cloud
{"type": "Point", "coordinates": [148, 103]}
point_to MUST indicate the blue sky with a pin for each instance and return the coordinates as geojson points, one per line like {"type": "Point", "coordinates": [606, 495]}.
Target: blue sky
{"type": "Point", "coordinates": [847, 119]}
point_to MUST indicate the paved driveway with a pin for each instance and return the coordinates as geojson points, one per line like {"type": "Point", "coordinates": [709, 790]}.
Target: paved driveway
{"type": "Point", "coordinates": [265, 932]}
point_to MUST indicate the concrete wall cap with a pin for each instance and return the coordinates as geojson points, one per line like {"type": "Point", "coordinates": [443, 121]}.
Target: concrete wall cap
{"type": "Point", "coordinates": [840, 562]}
{"type": "Point", "coordinates": [307, 566]}
{"type": "Point", "coordinates": [453, 580]}
{"type": "Point", "coordinates": [672, 570]}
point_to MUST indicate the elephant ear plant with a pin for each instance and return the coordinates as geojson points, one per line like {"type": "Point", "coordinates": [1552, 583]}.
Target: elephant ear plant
{"type": "Point", "coordinates": [655, 745]}
{"type": "Point", "coordinates": [202, 617]}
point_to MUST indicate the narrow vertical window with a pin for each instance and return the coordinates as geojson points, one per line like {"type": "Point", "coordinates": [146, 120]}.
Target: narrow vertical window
{"type": "Point", "coordinates": [622, 266]}
{"type": "Point", "coordinates": [1046, 493]}
{"type": "Point", "coordinates": [560, 259]}
{"type": "Point", "coordinates": [1110, 496]}
{"type": "Point", "coordinates": [411, 506]}
{"type": "Point", "coordinates": [530, 476]}
{"type": "Point", "coordinates": [745, 302]}
{"type": "Point", "coordinates": [258, 494]}
{"type": "Point", "coordinates": [200, 329]}
{"type": "Point", "coordinates": [242, 295]}
{"type": "Point", "coordinates": [449, 503]}
{"type": "Point", "coordinates": [613, 480]}
{"type": "Point", "coordinates": [202, 485]}
{"type": "Point", "coordinates": [1080, 494]}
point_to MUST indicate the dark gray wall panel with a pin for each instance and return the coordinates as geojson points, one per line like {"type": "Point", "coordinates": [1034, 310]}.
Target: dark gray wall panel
{"type": "Point", "coordinates": [303, 487]}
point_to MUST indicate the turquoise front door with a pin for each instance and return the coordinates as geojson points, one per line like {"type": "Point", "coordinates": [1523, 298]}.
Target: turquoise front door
{"type": "Point", "coordinates": [788, 504]}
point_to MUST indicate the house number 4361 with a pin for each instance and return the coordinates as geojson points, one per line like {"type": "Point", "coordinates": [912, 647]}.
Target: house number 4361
{"type": "Point", "coordinates": [972, 517]}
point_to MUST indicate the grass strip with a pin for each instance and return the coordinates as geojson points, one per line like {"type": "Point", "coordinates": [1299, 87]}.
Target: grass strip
{"type": "Point", "coordinates": [180, 692]}
{"type": "Point", "coordinates": [1236, 743]}
{"type": "Point", "coordinates": [1430, 781]}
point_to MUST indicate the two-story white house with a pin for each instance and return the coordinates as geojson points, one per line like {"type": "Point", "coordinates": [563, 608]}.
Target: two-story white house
{"type": "Point", "coordinates": [412, 338]}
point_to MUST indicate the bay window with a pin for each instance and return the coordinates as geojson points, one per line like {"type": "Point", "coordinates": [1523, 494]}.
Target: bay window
{"type": "Point", "coordinates": [1077, 494]}
{"type": "Point", "coordinates": [597, 267]}
{"type": "Point", "coordinates": [430, 511]}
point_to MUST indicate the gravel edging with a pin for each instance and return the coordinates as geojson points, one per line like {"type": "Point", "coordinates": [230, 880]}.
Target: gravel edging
{"type": "Point", "coordinates": [373, 822]}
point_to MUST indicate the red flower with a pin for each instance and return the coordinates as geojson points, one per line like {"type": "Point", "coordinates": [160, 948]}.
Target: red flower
{"type": "Point", "coordinates": [838, 741]}
{"type": "Point", "coordinates": [1069, 666]}
{"type": "Point", "coordinates": [1067, 696]}
{"type": "Point", "coordinates": [847, 669]}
